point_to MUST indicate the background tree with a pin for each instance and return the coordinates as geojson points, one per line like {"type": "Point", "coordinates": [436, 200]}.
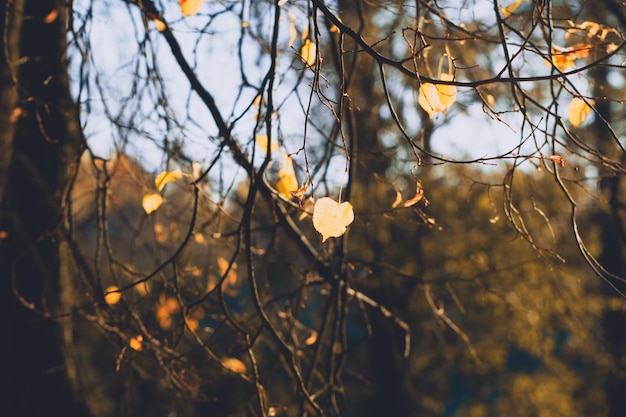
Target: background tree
{"type": "Point", "coordinates": [39, 141]}
{"type": "Point", "coordinates": [472, 279]}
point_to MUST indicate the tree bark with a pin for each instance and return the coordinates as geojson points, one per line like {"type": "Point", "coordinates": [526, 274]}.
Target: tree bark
{"type": "Point", "coordinates": [39, 141]}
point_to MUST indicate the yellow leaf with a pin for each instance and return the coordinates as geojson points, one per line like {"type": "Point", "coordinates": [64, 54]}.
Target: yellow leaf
{"type": "Point", "coordinates": [189, 7]}
{"type": "Point", "coordinates": [222, 265]}
{"type": "Point", "coordinates": [564, 58]}
{"type": "Point", "coordinates": [143, 289]}
{"type": "Point", "coordinates": [112, 295]}
{"type": "Point", "coordinates": [199, 239]}
{"type": "Point", "coordinates": [151, 202]}
{"type": "Point", "coordinates": [136, 343]}
{"type": "Point", "coordinates": [167, 177]}
{"type": "Point", "coordinates": [287, 181]}
{"type": "Point", "coordinates": [508, 10]}
{"type": "Point", "coordinates": [437, 98]}
{"type": "Point", "coordinates": [578, 111]}
{"type": "Point", "coordinates": [159, 24]}
{"type": "Point", "coordinates": [234, 365]}
{"type": "Point", "coordinates": [331, 218]}
{"type": "Point", "coordinates": [261, 142]}
{"type": "Point", "coordinates": [308, 53]}
{"type": "Point", "coordinates": [293, 33]}
{"type": "Point", "coordinates": [311, 339]}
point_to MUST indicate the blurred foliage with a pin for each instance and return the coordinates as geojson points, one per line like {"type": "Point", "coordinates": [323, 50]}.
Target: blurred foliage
{"type": "Point", "coordinates": [497, 326]}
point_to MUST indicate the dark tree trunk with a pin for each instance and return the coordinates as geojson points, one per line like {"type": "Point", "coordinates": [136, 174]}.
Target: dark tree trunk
{"type": "Point", "coordinates": [612, 228]}
{"type": "Point", "coordinates": [39, 140]}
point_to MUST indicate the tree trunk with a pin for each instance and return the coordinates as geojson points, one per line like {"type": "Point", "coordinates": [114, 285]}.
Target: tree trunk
{"type": "Point", "coordinates": [39, 140]}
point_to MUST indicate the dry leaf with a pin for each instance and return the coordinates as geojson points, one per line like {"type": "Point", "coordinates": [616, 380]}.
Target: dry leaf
{"type": "Point", "coordinates": [199, 239]}
{"type": "Point", "coordinates": [166, 177]}
{"type": "Point", "coordinates": [308, 53]}
{"type": "Point", "coordinates": [559, 160]}
{"type": "Point", "coordinates": [419, 194]}
{"type": "Point", "coordinates": [509, 10]}
{"type": "Point", "coordinates": [398, 199]}
{"type": "Point", "coordinates": [300, 192]}
{"type": "Point", "coordinates": [564, 58]}
{"type": "Point", "coordinates": [151, 202]}
{"type": "Point", "coordinates": [136, 343]}
{"type": "Point", "coordinates": [437, 98]}
{"type": "Point", "coordinates": [287, 180]}
{"type": "Point", "coordinates": [578, 111]}
{"type": "Point", "coordinates": [311, 339]}
{"type": "Point", "coordinates": [189, 7]}
{"type": "Point", "coordinates": [222, 266]}
{"type": "Point", "coordinates": [159, 24]}
{"type": "Point", "coordinates": [261, 142]}
{"type": "Point", "coordinates": [16, 114]}
{"type": "Point", "coordinates": [112, 295]}
{"type": "Point", "coordinates": [234, 365]}
{"type": "Point", "coordinates": [331, 218]}
{"type": "Point", "coordinates": [51, 17]}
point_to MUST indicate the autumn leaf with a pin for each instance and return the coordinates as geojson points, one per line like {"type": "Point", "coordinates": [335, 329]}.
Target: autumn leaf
{"type": "Point", "coordinates": [331, 218]}
{"type": "Point", "coordinates": [136, 343]}
{"type": "Point", "coordinates": [311, 339]}
{"type": "Point", "coordinates": [261, 142]}
{"type": "Point", "coordinates": [166, 177]}
{"type": "Point", "coordinates": [190, 7]}
{"type": "Point", "coordinates": [159, 24]}
{"type": "Point", "coordinates": [51, 17]}
{"type": "Point", "coordinates": [151, 202]}
{"type": "Point", "coordinates": [287, 180]}
{"type": "Point", "coordinates": [564, 58]}
{"type": "Point", "coordinates": [234, 365]}
{"type": "Point", "coordinates": [437, 98]}
{"type": "Point", "coordinates": [578, 111]}
{"type": "Point", "coordinates": [559, 160]}
{"type": "Point", "coordinates": [510, 9]}
{"type": "Point", "coordinates": [419, 194]}
{"type": "Point", "coordinates": [223, 265]}
{"type": "Point", "coordinates": [308, 53]}
{"type": "Point", "coordinates": [112, 295]}
{"type": "Point", "coordinates": [300, 192]}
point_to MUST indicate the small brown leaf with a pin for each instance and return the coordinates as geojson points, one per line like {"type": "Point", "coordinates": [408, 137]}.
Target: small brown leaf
{"type": "Point", "coordinates": [300, 192]}
{"type": "Point", "coordinates": [419, 194]}
{"type": "Point", "coordinates": [559, 160]}
{"type": "Point", "coordinates": [51, 17]}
